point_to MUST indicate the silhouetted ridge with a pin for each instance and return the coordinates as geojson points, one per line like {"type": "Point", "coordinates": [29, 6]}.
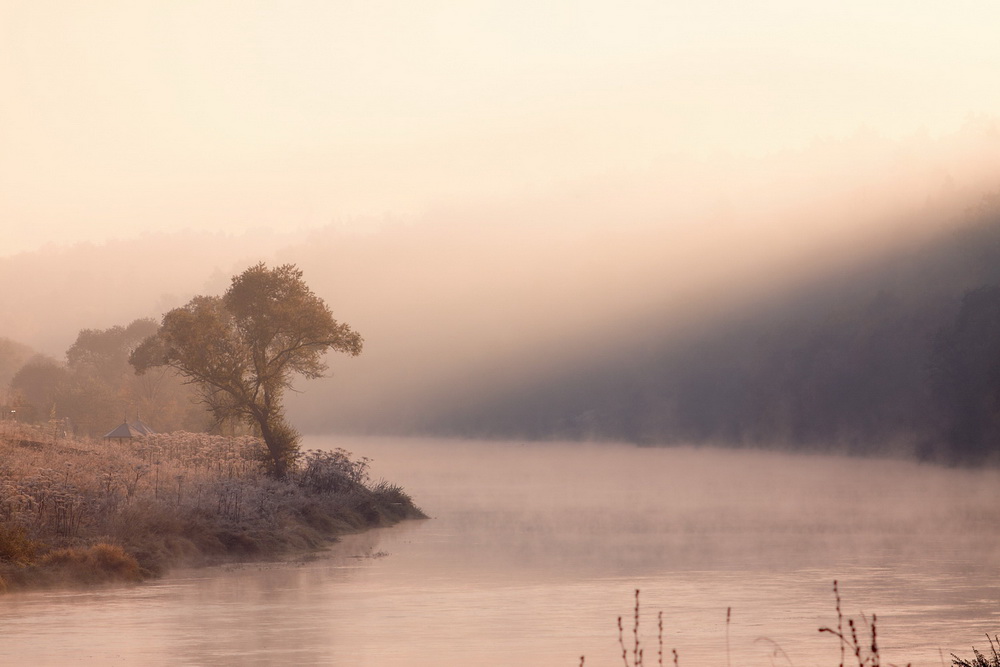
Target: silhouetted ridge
{"type": "Point", "coordinates": [902, 352]}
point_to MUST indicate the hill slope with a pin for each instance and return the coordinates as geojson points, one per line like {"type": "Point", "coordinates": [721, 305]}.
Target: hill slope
{"type": "Point", "coordinates": [902, 350]}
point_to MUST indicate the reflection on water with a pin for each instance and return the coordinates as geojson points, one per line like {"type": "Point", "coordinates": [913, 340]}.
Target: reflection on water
{"type": "Point", "coordinates": [534, 551]}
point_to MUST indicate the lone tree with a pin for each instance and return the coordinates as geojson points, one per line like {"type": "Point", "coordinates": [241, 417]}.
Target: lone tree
{"type": "Point", "coordinates": [242, 349]}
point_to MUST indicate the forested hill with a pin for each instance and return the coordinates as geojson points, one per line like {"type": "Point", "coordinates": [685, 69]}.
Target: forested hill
{"type": "Point", "coordinates": [900, 352]}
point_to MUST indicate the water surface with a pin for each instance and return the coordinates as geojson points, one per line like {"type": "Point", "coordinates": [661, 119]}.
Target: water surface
{"type": "Point", "coordinates": [534, 550]}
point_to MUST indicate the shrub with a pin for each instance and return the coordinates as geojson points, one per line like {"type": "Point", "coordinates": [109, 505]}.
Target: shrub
{"type": "Point", "coordinates": [331, 471]}
{"type": "Point", "coordinates": [99, 563]}
{"type": "Point", "coordinates": [15, 547]}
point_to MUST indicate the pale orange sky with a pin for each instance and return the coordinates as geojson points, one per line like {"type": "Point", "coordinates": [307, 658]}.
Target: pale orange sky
{"type": "Point", "coordinates": [125, 116]}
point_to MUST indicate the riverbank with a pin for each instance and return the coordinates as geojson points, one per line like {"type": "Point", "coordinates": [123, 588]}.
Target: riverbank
{"type": "Point", "coordinates": [82, 511]}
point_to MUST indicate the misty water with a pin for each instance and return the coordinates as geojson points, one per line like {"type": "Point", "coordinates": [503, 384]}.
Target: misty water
{"type": "Point", "coordinates": [534, 550]}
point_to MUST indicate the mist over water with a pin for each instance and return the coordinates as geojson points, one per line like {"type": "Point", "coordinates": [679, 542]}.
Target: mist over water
{"type": "Point", "coordinates": [534, 549]}
{"type": "Point", "coordinates": [719, 222]}
{"type": "Point", "coordinates": [473, 300]}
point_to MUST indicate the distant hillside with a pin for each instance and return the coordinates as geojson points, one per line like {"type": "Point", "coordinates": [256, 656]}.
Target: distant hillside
{"type": "Point", "coordinates": [586, 332]}
{"type": "Point", "coordinates": [12, 357]}
{"type": "Point", "coordinates": [812, 298]}
{"type": "Point", "coordinates": [902, 350]}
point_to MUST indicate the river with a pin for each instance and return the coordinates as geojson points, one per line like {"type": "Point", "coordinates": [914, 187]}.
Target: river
{"type": "Point", "coordinates": [534, 550]}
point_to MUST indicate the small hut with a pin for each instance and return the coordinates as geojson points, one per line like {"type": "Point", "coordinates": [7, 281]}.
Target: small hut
{"type": "Point", "coordinates": [141, 426]}
{"type": "Point", "coordinates": [128, 430]}
{"type": "Point", "coordinates": [124, 431]}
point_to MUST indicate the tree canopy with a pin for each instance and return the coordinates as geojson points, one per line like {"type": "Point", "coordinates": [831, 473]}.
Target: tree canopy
{"type": "Point", "coordinates": [243, 349]}
{"type": "Point", "coordinates": [96, 387]}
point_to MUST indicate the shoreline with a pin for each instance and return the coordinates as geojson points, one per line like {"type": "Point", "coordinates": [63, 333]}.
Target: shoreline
{"type": "Point", "coordinates": [82, 512]}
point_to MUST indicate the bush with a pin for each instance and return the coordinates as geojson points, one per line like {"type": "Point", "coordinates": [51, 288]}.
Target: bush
{"type": "Point", "coordinates": [99, 563]}
{"type": "Point", "coordinates": [15, 547]}
{"type": "Point", "coordinates": [331, 471]}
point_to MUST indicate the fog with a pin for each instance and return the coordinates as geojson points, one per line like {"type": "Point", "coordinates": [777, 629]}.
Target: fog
{"type": "Point", "coordinates": [476, 300]}
{"type": "Point", "coordinates": [165, 116]}
{"type": "Point", "coordinates": [563, 229]}
{"type": "Point", "coordinates": [468, 302]}
{"type": "Point", "coordinates": [520, 565]}
{"type": "Point", "coordinates": [491, 195]}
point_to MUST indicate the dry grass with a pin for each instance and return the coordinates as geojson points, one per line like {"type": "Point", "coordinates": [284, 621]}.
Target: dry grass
{"type": "Point", "coordinates": [95, 510]}
{"type": "Point", "coordinates": [863, 652]}
{"type": "Point", "coordinates": [980, 660]}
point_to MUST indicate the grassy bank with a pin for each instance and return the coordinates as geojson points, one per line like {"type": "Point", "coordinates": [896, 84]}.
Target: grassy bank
{"type": "Point", "coordinates": [81, 511]}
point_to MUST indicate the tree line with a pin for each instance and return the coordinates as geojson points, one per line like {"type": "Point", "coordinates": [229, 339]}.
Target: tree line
{"type": "Point", "coordinates": [216, 361]}
{"type": "Point", "coordinates": [94, 388]}
{"type": "Point", "coordinates": [903, 352]}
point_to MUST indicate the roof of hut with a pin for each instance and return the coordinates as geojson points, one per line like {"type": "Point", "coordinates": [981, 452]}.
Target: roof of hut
{"type": "Point", "coordinates": [141, 426]}
{"type": "Point", "coordinates": [125, 430]}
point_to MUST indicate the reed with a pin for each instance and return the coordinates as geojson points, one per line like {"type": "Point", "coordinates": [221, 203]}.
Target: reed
{"type": "Point", "coordinates": [638, 651]}
{"type": "Point", "coordinates": [980, 660]}
{"type": "Point", "coordinates": [866, 655]}
{"type": "Point", "coordinates": [863, 652]}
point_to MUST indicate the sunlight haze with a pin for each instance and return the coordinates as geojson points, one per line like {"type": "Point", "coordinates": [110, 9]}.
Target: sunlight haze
{"type": "Point", "coordinates": [120, 118]}
{"type": "Point", "coordinates": [694, 299]}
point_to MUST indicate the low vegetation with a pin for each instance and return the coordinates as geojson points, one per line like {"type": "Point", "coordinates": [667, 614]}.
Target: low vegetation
{"type": "Point", "coordinates": [980, 660]}
{"type": "Point", "coordinates": [858, 643]}
{"type": "Point", "coordinates": [90, 511]}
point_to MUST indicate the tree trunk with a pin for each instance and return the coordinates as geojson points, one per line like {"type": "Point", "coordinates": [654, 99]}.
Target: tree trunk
{"type": "Point", "coordinates": [278, 446]}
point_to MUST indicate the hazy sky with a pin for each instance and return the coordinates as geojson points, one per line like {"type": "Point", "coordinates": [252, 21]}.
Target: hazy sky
{"type": "Point", "coordinates": [118, 117]}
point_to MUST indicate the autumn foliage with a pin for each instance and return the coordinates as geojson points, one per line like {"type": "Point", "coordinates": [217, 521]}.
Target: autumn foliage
{"type": "Point", "coordinates": [243, 349]}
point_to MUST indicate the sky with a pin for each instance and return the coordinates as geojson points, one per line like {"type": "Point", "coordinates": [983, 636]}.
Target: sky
{"type": "Point", "coordinates": [120, 118]}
